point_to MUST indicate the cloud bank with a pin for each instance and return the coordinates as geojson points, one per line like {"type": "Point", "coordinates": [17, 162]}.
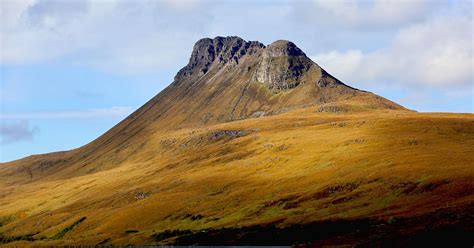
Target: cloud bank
{"type": "Point", "coordinates": [435, 53]}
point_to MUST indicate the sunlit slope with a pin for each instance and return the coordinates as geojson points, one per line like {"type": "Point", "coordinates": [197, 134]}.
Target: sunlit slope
{"type": "Point", "coordinates": [314, 164]}
{"type": "Point", "coordinates": [226, 79]}
{"type": "Point", "coordinates": [199, 163]}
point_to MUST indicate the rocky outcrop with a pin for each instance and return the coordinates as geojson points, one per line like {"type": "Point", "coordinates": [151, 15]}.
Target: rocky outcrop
{"type": "Point", "coordinates": [217, 52]}
{"type": "Point", "coordinates": [227, 133]}
{"type": "Point", "coordinates": [281, 48]}
{"type": "Point", "coordinates": [331, 109]}
{"type": "Point", "coordinates": [282, 66]}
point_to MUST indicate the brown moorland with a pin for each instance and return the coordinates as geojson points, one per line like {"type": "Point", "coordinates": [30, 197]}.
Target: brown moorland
{"type": "Point", "coordinates": [251, 144]}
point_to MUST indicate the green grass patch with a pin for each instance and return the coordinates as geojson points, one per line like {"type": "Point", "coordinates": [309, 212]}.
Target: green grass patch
{"type": "Point", "coordinates": [7, 239]}
{"type": "Point", "coordinates": [5, 220]}
{"type": "Point", "coordinates": [423, 179]}
{"type": "Point", "coordinates": [63, 232]}
{"type": "Point", "coordinates": [386, 200]}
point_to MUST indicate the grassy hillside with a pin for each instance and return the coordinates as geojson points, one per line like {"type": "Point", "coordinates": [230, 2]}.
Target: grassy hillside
{"type": "Point", "coordinates": [328, 164]}
{"type": "Point", "coordinates": [320, 164]}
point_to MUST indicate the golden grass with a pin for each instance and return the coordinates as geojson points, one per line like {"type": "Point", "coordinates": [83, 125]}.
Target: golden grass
{"type": "Point", "coordinates": [296, 167]}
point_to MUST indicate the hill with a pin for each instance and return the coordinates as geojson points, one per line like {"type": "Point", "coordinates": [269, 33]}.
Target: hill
{"type": "Point", "coordinates": [251, 144]}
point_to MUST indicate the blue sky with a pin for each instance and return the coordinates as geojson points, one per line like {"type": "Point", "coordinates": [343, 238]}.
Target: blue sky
{"type": "Point", "coordinates": [70, 70]}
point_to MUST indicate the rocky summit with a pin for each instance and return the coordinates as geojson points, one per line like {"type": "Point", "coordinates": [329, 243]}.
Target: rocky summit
{"type": "Point", "coordinates": [252, 144]}
{"type": "Point", "coordinates": [228, 78]}
{"type": "Point", "coordinates": [218, 52]}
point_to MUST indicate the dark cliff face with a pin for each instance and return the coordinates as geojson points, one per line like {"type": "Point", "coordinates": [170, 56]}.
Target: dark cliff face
{"type": "Point", "coordinates": [217, 52]}
{"type": "Point", "coordinates": [280, 66]}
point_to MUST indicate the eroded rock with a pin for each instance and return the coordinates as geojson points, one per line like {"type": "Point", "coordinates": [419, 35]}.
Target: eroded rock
{"type": "Point", "coordinates": [282, 66]}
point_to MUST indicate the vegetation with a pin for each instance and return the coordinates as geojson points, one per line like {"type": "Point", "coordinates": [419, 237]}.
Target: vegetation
{"type": "Point", "coordinates": [334, 232]}
{"type": "Point", "coordinates": [6, 219]}
{"type": "Point", "coordinates": [171, 233]}
{"type": "Point", "coordinates": [7, 239]}
{"type": "Point", "coordinates": [292, 169]}
{"type": "Point", "coordinates": [63, 232]}
{"type": "Point", "coordinates": [251, 143]}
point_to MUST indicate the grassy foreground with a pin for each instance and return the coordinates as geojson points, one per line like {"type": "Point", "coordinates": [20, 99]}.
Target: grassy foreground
{"type": "Point", "coordinates": [398, 172]}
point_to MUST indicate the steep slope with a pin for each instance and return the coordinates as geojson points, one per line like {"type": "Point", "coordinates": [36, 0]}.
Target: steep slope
{"type": "Point", "coordinates": [226, 79]}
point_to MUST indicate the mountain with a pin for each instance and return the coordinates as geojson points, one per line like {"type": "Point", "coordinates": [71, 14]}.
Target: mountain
{"type": "Point", "coordinates": [226, 79]}
{"type": "Point", "coordinates": [251, 144]}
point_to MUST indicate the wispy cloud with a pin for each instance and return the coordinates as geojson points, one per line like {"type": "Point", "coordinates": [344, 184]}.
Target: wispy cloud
{"type": "Point", "coordinates": [119, 112]}
{"type": "Point", "coordinates": [16, 131]}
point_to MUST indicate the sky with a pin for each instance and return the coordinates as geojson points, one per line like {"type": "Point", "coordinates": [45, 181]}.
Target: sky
{"type": "Point", "coordinates": [70, 70]}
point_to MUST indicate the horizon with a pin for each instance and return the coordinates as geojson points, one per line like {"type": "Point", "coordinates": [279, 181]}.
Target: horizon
{"type": "Point", "coordinates": [72, 70]}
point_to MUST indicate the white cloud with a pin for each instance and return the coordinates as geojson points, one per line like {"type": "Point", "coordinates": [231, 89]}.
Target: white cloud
{"type": "Point", "coordinates": [37, 30]}
{"type": "Point", "coordinates": [16, 131]}
{"type": "Point", "coordinates": [185, 5]}
{"type": "Point", "coordinates": [368, 14]}
{"type": "Point", "coordinates": [437, 53]}
{"type": "Point", "coordinates": [115, 35]}
{"type": "Point", "coordinates": [344, 64]}
{"type": "Point", "coordinates": [119, 112]}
